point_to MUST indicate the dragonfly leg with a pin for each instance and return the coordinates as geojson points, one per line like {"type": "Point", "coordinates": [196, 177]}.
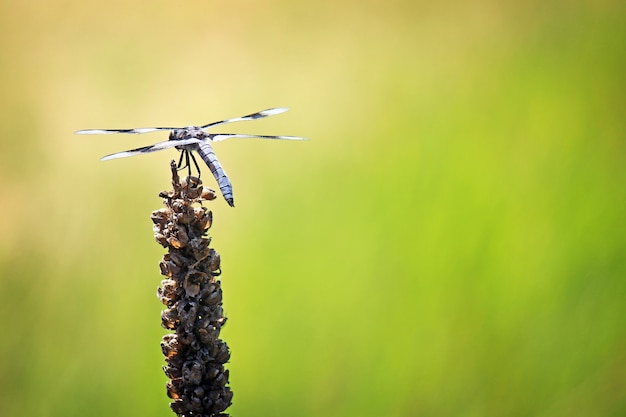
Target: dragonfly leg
{"type": "Point", "coordinates": [185, 155]}
{"type": "Point", "coordinates": [180, 160]}
{"type": "Point", "coordinates": [193, 158]}
{"type": "Point", "coordinates": [187, 163]}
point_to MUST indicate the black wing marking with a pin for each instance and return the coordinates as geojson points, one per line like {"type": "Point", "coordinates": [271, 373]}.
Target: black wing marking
{"type": "Point", "coordinates": [253, 116]}
{"type": "Point", "coordinates": [112, 131]}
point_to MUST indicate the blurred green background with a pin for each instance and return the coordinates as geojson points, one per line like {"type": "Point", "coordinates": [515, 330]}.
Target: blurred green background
{"type": "Point", "coordinates": [451, 242]}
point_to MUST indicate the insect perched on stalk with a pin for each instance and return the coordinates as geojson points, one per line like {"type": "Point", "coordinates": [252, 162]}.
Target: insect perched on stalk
{"type": "Point", "coordinates": [194, 138]}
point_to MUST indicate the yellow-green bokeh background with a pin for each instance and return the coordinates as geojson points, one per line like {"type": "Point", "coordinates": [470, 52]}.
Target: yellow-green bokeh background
{"type": "Point", "coordinates": [451, 242]}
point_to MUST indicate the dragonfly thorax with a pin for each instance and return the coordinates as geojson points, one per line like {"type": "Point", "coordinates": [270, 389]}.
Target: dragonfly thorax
{"type": "Point", "coordinates": [189, 132]}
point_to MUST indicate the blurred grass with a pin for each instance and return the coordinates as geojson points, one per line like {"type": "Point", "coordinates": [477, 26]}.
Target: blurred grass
{"type": "Point", "coordinates": [449, 243]}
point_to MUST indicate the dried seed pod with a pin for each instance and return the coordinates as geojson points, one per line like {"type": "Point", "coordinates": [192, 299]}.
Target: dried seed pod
{"type": "Point", "coordinates": [160, 216]}
{"type": "Point", "coordinates": [215, 261]}
{"type": "Point", "coordinates": [177, 360]}
{"type": "Point", "coordinates": [185, 218]}
{"type": "Point", "coordinates": [207, 194]}
{"type": "Point", "coordinates": [176, 257]}
{"type": "Point", "coordinates": [182, 235]}
{"type": "Point", "coordinates": [200, 248]}
{"type": "Point", "coordinates": [178, 407]}
{"type": "Point", "coordinates": [192, 283]}
{"type": "Point", "coordinates": [161, 239]}
{"type": "Point", "coordinates": [167, 292]}
{"type": "Point", "coordinates": [204, 336]}
{"type": "Point", "coordinates": [221, 378]}
{"type": "Point", "coordinates": [186, 335]}
{"type": "Point", "coordinates": [212, 373]}
{"type": "Point", "coordinates": [191, 182]}
{"type": "Point", "coordinates": [199, 212]}
{"type": "Point", "coordinates": [221, 352]}
{"type": "Point", "coordinates": [194, 403]}
{"type": "Point", "coordinates": [174, 388]}
{"type": "Point", "coordinates": [213, 298]}
{"type": "Point", "coordinates": [172, 371]}
{"type": "Point", "coordinates": [205, 291]}
{"type": "Point", "coordinates": [193, 372]}
{"type": "Point", "coordinates": [170, 345]}
{"type": "Point", "coordinates": [169, 318]}
{"type": "Point", "coordinates": [169, 268]}
{"type": "Point", "coordinates": [175, 243]}
{"type": "Point", "coordinates": [198, 392]}
{"type": "Point", "coordinates": [187, 311]}
{"type": "Point", "coordinates": [193, 192]}
{"type": "Point", "coordinates": [204, 218]}
{"type": "Point", "coordinates": [206, 222]}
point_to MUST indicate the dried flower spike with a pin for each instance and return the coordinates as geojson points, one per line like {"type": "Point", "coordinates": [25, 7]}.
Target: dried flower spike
{"type": "Point", "coordinates": [194, 354]}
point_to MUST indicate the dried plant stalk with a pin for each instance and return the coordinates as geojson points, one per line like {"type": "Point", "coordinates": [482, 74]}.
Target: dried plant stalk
{"type": "Point", "coordinates": [194, 354]}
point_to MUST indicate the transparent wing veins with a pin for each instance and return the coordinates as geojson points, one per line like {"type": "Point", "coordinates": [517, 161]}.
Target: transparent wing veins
{"type": "Point", "coordinates": [218, 137]}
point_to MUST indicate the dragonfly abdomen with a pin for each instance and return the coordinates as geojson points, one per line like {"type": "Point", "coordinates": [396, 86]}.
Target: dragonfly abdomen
{"type": "Point", "coordinates": [205, 150]}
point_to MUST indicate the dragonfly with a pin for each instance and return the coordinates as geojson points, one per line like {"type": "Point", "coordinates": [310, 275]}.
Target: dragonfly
{"type": "Point", "coordinates": [194, 139]}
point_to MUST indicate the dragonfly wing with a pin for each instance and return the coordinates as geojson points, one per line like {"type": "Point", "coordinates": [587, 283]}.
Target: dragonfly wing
{"type": "Point", "coordinates": [218, 137]}
{"type": "Point", "coordinates": [253, 116]}
{"type": "Point", "coordinates": [112, 131]}
{"type": "Point", "coordinates": [152, 148]}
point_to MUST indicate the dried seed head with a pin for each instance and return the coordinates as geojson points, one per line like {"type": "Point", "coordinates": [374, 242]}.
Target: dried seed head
{"type": "Point", "coordinates": [194, 355]}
